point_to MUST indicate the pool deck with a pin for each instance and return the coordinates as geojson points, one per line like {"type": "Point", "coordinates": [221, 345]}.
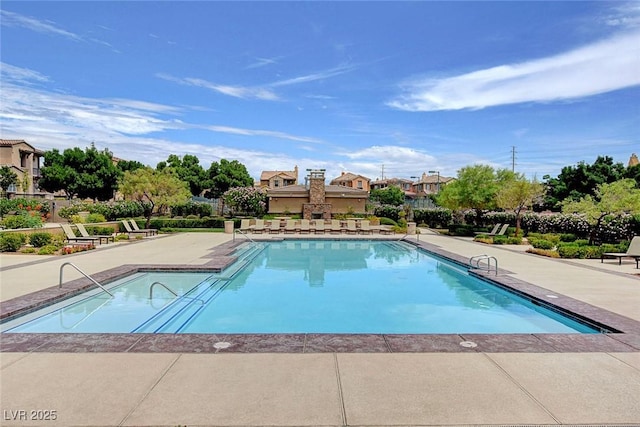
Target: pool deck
{"type": "Point", "coordinates": [279, 381]}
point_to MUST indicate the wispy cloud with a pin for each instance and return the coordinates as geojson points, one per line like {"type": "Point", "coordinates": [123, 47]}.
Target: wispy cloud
{"type": "Point", "coordinates": [257, 132]}
{"type": "Point", "coordinates": [601, 67]}
{"type": "Point", "coordinates": [244, 92]}
{"type": "Point", "coordinates": [263, 92]}
{"type": "Point", "coordinates": [11, 19]}
{"type": "Point", "coordinates": [262, 62]}
{"type": "Point", "coordinates": [10, 73]}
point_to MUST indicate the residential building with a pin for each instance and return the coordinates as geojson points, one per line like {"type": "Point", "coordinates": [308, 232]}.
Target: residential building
{"type": "Point", "coordinates": [277, 179]}
{"type": "Point", "coordinates": [24, 160]}
{"type": "Point", "coordinates": [315, 200]}
{"type": "Point", "coordinates": [430, 184]}
{"type": "Point", "coordinates": [633, 160]}
{"type": "Point", "coordinates": [348, 179]}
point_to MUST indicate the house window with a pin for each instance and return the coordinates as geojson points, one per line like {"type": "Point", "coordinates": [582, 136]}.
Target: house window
{"type": "Point", "coordinates": [360, 184]}
{"type": "Point", "coordinates": [12, 189]}
{"type": "Point", "coordinates": [276, 183]}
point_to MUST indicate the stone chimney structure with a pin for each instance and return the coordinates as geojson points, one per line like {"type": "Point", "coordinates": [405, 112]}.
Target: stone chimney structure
{"type": "Point", "coordinates": [316, 208]}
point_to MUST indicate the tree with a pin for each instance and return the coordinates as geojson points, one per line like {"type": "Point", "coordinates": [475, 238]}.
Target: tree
{"type": "Point", "coordinates": [575, 182]}
{"type": "Point", "coordinates": [475, 188]}
{"type": "Point", "coordinates": [187, 169]}
{"type": "Point", "coordinates": [617, 198]}
{"type": "Point", "coordinates": [7, 178]}
{"type": "Point", "coordinates": [391, 195]}
{"type": "Point", "coordinates": [249, 200]}
{"type": "Point", "coordinates": [225, 175]}
{"type": "Point", "coordinates": [84, 174]}
{"type": "Point", "coordinates": [129, 165]}
{"type": "Point", "coordinates": [159, 189]}
{"type": "Point", "coordinates": [518, 194]}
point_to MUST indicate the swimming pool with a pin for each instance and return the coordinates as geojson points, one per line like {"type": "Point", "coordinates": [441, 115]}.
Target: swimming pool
{"type": "Point", "coordinates": [310, 286]}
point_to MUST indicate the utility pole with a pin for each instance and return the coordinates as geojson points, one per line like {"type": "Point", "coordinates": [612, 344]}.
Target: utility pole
{"type": "Point", "coordinates": [513, 158]}
{"type": "Point", "coordinates": [382, 172]}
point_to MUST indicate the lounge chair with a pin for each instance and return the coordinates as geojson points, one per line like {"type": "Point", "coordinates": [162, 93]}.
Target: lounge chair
{"type": "Point", "coordinates": [492, 232]}
{"type": "Point", "coordinates": [318, 226]}
{"type": "Point", "coordinates": [633, 251]}
{"type": "Point", "coordinates": [130, 231]}
{"type": "Point", "coordinates": [351, 227]}
{"type": "Point", "coordinates": [499, 233]}
{"type": "Point", "coordinates": [259, 227]}
{"type": "Point", "coordinates": [245, 225]}
{"type": "Point", "coordinates": [150, 231]}
{"type": "Point", "coordinates": [305, 226]}
{"type": "Point", "coordinates": [336, 228]}
{"type": "Point", "coordinates": [101, 237]}
{"type": "Point", "coordinates": [290, 226]}
{"type": "Point", "coordinates": [274, 226]}
{"type": "Point", "coordinates": [71, 236]}
{"type": "Point", "coordinates": [365, 227]}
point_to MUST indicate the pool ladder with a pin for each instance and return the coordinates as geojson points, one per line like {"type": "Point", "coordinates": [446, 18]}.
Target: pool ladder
{"type": "Point", "coordinates": [84, 274]}
{"type": "Point", "coordinates": [172, 292]}
{"type": "Point", "coordinates": [475, 261]}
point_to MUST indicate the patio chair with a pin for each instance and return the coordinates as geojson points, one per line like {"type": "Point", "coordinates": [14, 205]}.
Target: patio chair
{"type": "Point", "coordinates": [365, 227]}
{"type": "Point", "coordinates": [150, 231]}
{"type": "Point", "coordinates": [259, 227]}
{"type": "Point", "coordinates": [274, 226]}
{"type": "Point", "coordinates": [130, 231]}
{"type": "Point", "coordinates": [351, 227]}
{"type": "Point", "coordinates": [290, 226]}
{"type": "Point", "coordinates": [633, 251]}
{"type": "Point", "coordinates": [305, 226]}
{"type": "Point", "coordinates": [244, 225]}
{"type": "Point", "coordinates": [492, 232]}
{"type": "Point", "coordinates": [336, 228]}
{"type": "Point", "coordinates": [318, 226]}
{"type": "Point", "coordinates": [71, 236]}
{"type": "Point", "coordinates": [101, 237]}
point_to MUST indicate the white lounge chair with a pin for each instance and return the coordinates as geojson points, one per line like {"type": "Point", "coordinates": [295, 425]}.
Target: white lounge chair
{"type": "Point", "coordinates": [305, 226]}
{"type": "Point", "coordinates": [351, 227]}
{"type": "Point", "coordinates": [318, 226]}
{"type": "Point", "coordinates": [149, 231]}
{"type": "Point", "coordinates": [633, 251]}
{"type": "Point", "coordinates": [336, 228]}
{"type": "Point", "coordinates": [129, 230]}
{"type": "Point", "coordinates": [106, 237]}
{"type": "Point", "coordinates": [490, 233]}
{"type": "Point", "coordinates": [259, 227]}
{"type": "Point", "coordinates": [290, 226]}
{"type": "Point", "coordinates": [71, 236]}
{"type": "Point", "coordinates": [245, 224]}
{"type": "Point", "coordinates": [365, 227]}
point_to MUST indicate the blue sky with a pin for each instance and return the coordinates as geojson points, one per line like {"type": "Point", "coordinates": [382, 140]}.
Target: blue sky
{"type": "Point", "coordinates": [363, 87]}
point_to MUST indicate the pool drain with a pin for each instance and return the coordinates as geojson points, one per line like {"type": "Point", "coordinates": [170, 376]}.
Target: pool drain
{"type": "Point", "coordinates": [468, 344]}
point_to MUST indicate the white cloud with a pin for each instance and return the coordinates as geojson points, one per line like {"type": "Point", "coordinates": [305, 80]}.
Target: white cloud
{"type": "Point", "coordinates": [244, 92]}
{"type": "Point", "coordinates": [268, 133]}
{"type": "Point", "coordinates": [601, 67]}
{"type": "Point", "coordinates": [9, 73]}
{"type": "Point", "coordinates": [11, 19]}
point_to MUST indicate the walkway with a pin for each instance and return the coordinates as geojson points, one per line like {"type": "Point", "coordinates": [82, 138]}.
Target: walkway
{"type": "Point", "coordinates": [334, 388]}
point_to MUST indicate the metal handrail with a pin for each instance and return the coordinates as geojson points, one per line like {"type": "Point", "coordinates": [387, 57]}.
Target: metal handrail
{"type": "Point", "coordinates": [84, 274]}
{"type": "Point", "coordinates": [171, 290]}
{"type": "Point", "coordinates": [479, 258]}
{"type": "Point", "coordinates": [161, 284]}
{"type": "Point", "coordinates": [243, 233]}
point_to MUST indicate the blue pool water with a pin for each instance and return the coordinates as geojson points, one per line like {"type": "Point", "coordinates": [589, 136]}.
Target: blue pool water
{"type": "Point", "coordinates": [306, 287]}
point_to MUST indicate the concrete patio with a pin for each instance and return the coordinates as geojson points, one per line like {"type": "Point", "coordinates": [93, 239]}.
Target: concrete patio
{"type": "Point", "coordinates": [581, 385]}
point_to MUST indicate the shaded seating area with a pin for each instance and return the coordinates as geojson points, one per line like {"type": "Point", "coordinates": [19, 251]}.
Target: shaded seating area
{"type": "Point", "coordinates": [83, 231]}
{"type": "Point", "coordinates": [70, 236]}
{"type": "Point", "coordinates": [633, 251]}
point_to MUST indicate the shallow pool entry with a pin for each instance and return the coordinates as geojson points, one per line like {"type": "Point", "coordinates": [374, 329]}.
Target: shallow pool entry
{"type": "Point", "coordinates": [306, 286]}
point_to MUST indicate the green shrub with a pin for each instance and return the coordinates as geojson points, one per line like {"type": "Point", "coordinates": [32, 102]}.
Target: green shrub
{"type": "Point", "coordinates": [95, 217]}
{"type": "Point", "coordinates": [11, 242]}
{"type": "Point", "coordinates": [514, 240]}
{"type": "Point", "coordinates": [28, 250]}
{"type": "Point", "coordinates": [434, 218]}
{"type": "Point", "coordinates": [99, 231]}
{"type": "Point", "coordinates": [544, 252]}
{"type": "Point", "coordinates": [581, 242]}
{"type": "Point", "coordinates": [40, 239]}
{"type": "Point", "coordinates": [23, 220]}
{"type": "Point", "coordinates": [570, 251]}
{"type": "Point", "coordinates": [48, 250]}
{"type": "Point", "coordinates": [120, 237]}
{"type": "Point", "coordinates": [499, 240]}
{"type": "Point", "coordinates": [461, 230]}
{"type": "Point", "coordinates": [387, 221]}
{"type": "Point", "coordinates": [192, 216]}
{"type": "Point", "coordinates": [539, 243]}
{"type": "Point", "coordinates": [568, 237]}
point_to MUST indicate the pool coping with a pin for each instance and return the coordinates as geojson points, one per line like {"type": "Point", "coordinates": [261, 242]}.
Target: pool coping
{"type": "Point", "coordinates": [625, 338]}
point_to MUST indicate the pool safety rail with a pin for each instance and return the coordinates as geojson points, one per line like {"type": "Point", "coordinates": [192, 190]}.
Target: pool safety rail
{"type": "Point", "coordinates": [171, 291]}
{"type": "Point", "coordinates": [84, 274]}
{"type": "Point", "coordinates": [238, 231]}
{"type": "Point", "coordinates": [475, 261]}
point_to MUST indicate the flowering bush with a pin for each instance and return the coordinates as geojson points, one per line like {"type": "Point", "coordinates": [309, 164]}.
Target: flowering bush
{"type": "Point", "coordinates": [192, 208]}
{"type": "Point", "coordinates": [110, 211]}
{"type": "Point", "coordinates": [249, 200]}
{"type": "Point", "coordinates": [73, 248]}
{"type": "Point", "coordinates": [437, 217]}
{"type": "Point", "coordinates": [388, 211]}
{"type": "Point", "coordinates": [23, 205]}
